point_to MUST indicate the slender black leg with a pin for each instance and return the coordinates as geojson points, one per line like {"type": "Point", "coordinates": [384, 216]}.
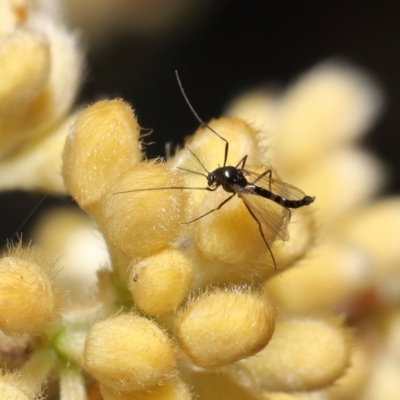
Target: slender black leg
{"type": "Point", "coordinates": [214, 209]}
{"type": "Point", "coordinates": [267, 172]}
{"type": "Point", "coordinates": [262, 234]}
{"type": "Point", "coordinates": [226, 147]}
{"type": "Point", "coordinates": [242, 161]}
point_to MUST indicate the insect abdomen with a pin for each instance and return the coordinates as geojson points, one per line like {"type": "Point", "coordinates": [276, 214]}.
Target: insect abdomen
{"type": "Point", "coordinates": [305, 201]}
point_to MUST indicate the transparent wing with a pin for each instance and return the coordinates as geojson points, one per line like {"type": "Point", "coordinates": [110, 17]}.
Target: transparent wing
{"type": "Point", "coordinates": [276, 186]}
{"type": "Point", "coordinates": [270, 214]}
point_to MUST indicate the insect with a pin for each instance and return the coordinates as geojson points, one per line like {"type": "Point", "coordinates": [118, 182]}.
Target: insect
{"type": "Point", "coordinates": [249, 186]}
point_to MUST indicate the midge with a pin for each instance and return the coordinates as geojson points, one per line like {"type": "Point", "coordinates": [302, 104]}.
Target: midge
{"type": "Point", "coordinates": [251, 187]}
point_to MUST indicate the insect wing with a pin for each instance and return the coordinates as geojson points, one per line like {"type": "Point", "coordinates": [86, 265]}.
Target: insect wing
{"type": "Point", "coordinates": [276, 186]}
{"type": "Point", "coordinates": [269, 214]}
{"type": "Point", "coordinates": [266, 211]}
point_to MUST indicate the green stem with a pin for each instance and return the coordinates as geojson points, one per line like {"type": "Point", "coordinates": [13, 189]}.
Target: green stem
{"type": "Point", "coordinates": [36, 369]}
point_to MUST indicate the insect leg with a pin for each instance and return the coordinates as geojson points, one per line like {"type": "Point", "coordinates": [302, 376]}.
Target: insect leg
{"type": "Point", "coordinates": [267, 172]}
{"type": "Point", "coordinates": [262, 234]}
{"type": "Point", "coordinates": [226, 147]}
{"type": "Point", "coordinates": [242, 161]}
{"type": "Point", "coordinates": [214, 209]}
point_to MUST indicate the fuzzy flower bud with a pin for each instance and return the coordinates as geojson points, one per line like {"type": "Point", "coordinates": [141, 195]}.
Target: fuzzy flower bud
{"type": "Point", "coordinates": [341, 168]}
{"type": "Point", "coordinates": [56, 80]}
{"type": "Point", "coordinates": [160, 283]}
{"type": "Point", "coordinates": [223, 326]}
{"type": "Point", "coordinates": [376, 228]}
{"type": "Point", "coordinates": [219, 236]}
{"type": "Point", "coordinates": [305, 354]}
{"type": "Point", "coordinates": [25, 65]}
{"type": "Point", "coordinates": [128, 353]}
{"type": "Point", "coordinates": [332, 275]}
{"type": "Point", "coordinates": [211, 149]}
{"type": "Point", "coordinates": [102, 145]}
{"type": "Point", "coordinates": [29, 298]}
{"type": "Point", "coordinates": [314, 123]}
{"type": "Point", "coordinates": [28, 382]}
{"type": "Point", "coordinates": [172, 389]}
{"type": "Point", "coordinates": [241, 241]}
{"type": "Point", "coordinates": [144, 222]}
{"type": "Point", "coordinates": [41, 66]}
{"type": "Point", "coordinates": [302, 231]}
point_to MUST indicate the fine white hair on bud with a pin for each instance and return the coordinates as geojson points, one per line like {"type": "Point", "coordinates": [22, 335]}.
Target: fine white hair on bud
{"type": "Point", "coordinates": [29, 296]}
{"type": "Point", "coordinates": [222, 326]}
{"type": "Point", "coordinates": [128, 352]}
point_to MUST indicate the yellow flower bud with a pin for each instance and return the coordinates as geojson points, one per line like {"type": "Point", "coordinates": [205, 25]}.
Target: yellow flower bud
{"type": "Point", "coordinates": [357, 374]}
{"type": "Point", "coordinates": [333, 275]}
{"type": "Point", "coordinates": [25, 63]}
{"type": "Point", "coordinates": [384, 381]}
{"type": "Point", "coordinates": [231, 234]}
{"type": "Point", "coordinates": [211, 149]}
{"type": "Point", "coordinates": [29, 298]}
{"type": "Point", "coordinates": [160, 283]}
{"type": "Point", "coordinates": [65, 72]}
{"type": "Point", "coordinates": [224, 326]}
{"type": "Point", "coordinates": [341, 168]}
{"type": "Point", "coordinates": [376, 228]}
{"type": "Point", "coordinates": [172, 389]}
{"type": "Point", "coordinates": [302, 231]}
{"type": "Point", "coordinates": [305, 354]}
{"type": "Point", "coordinates": [128, 353]}
{"type": "Point", "coordinates": [102, 145]}
{"type": "Point", "coordinates": [145, 222]}
{"type": "Point", "coordinates": [326, 108]}
{"type": "Point", "coordinates": [51, 103]}
{"type": "Point", "coordinates": [259, 107]}
{"type": "Point", "coordinates": [313, 395]}
{"type": "Point", "coordinates": [25, 66]}
{"type": "Point", "coordinates": [216, 385]}
{"type": "Point", "coordinates": [82, 251]}
{"type": "Point", "coordinates": [28, 382]}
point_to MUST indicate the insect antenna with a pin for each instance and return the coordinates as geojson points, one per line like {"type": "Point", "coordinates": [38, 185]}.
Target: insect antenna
{"type": "Point", "coordinates": [198, 160]}
{"type": "Point", "coordinates": [200, 120]}
{"type": "Point", "coordinates": [192, 172]}
{"type": "Point", "coordinates": [163, 188]}
{"type": "Point", "coordinates": [176, 187]}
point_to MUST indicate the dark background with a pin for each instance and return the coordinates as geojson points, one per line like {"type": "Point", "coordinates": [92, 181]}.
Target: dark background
{"type": "Point", "coordinates": [234, 46]}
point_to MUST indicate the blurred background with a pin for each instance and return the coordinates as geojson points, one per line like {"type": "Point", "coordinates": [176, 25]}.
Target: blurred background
{"type": "Point", "coordinates": [222, 48]}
